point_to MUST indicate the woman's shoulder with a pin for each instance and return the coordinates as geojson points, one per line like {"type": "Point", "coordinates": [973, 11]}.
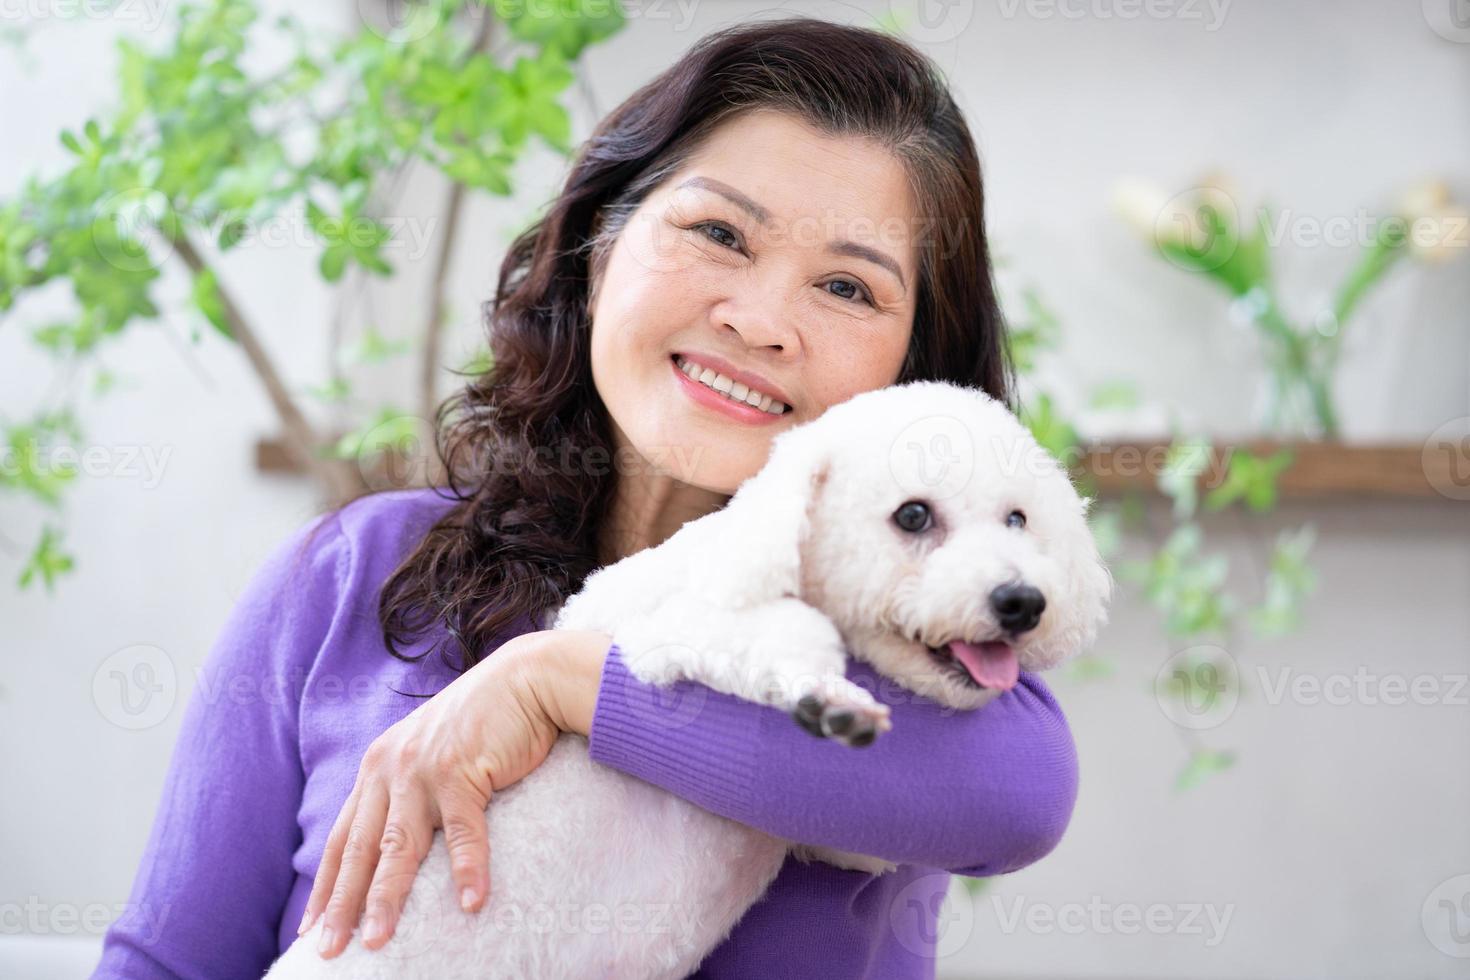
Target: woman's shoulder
{"type": "Point", "coordinates": [388, 523]}
{"type": "Point", "coordinates": [360, 543]}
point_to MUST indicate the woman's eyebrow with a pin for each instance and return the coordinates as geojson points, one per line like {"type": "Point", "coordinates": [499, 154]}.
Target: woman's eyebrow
{"type": "Point", "coordinates": [723, 189]}
{"type": "Point", "coordinates": [761, 215]}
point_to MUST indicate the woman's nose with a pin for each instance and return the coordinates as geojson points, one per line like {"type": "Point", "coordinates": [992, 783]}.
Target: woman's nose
{"type": "Point", "coordinates": [761, 319]}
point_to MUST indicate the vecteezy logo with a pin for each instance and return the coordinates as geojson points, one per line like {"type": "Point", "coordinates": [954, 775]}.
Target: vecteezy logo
{"type": "Point", "coordinates": [1446, 917]}
{"type": "Point", "coordinates": [926, 923]}
{"type": "Point", "coordinates": [933, 457]}
{"type": "Point", "coordinates": [1446, 458]}
{"type": "Point", "coordinates": [405, 21]}
{"type": "Point", "coordinates": [135, 687]}
{"type": "Point", "coordinates": [655, 688]}
{"type": "Point", "coordinates": [422, 919]}
{"type": "Point", "coordinates": [1450, 19]}
{"type": "Point", "coordinates": [1198, 687]}
{"type": "Point", "coordinates": [934, 21]}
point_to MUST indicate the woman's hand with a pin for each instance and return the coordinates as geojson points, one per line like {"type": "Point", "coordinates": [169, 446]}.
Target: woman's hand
{"type": "Point", "coordinates": [440, 767]}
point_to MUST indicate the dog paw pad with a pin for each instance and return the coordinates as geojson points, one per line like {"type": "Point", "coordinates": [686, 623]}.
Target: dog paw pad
{"type": "Point", "coordinates": [853, 725]}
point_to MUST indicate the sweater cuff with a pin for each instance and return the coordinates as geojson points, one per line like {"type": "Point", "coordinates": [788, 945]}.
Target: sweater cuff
{"type": "Point", "coordinates": [693, 741]}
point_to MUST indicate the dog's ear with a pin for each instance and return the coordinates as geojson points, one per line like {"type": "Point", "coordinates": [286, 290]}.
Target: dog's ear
{"type": "Point", "coordinates": [772, 513]}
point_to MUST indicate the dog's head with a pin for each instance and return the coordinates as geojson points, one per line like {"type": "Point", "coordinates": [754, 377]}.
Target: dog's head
{"type": "Point", "coordinates": [947, 546]}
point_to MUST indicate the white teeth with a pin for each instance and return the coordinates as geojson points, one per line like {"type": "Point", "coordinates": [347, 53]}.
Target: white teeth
{"type": "Point", "coordinates": [731, 388]}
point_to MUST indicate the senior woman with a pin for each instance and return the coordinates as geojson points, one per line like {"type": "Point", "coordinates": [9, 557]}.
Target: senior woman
{"type": "Point", "coordinates": [795, 205]}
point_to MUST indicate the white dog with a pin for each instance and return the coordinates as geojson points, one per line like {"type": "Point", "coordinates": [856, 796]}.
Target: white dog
{"type": "Point", "coordinates": [918, 526]}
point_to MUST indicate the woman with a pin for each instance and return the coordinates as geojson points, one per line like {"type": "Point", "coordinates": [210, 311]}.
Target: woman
{"type": "Point", "coordinates": [794, 204]}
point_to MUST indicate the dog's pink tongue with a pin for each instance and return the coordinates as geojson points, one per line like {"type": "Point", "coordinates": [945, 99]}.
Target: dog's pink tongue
{"type": "Point", "coordinates": [991, 663]}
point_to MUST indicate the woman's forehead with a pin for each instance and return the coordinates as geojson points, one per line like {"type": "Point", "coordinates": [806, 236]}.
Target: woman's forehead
{"type": "Point", "coordinates": [789, 166]}
{"type": "Point", "coordinates": [797, 185]}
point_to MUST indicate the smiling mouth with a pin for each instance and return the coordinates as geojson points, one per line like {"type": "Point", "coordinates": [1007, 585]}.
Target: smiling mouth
{"type": "Point", "coordinates": [730, 388]}
{"type": "Point", "coordinates": [984, 665]}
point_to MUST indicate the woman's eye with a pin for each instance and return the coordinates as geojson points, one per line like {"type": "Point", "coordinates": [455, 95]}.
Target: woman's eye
{"type": "Point", "coordinates": [727, 237]}
{"type": "Point", "coordinates": [858, 292]}
{"type": "Point", "coordinates": [721, 235]}
{"type": "Point", "coordinates": [1016, 519]}
{"type": "Point", "coordinates": [914, 516]}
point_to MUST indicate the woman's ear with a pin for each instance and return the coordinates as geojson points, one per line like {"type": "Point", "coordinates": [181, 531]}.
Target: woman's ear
{"type": "Point", "coordinates": [771, 513]}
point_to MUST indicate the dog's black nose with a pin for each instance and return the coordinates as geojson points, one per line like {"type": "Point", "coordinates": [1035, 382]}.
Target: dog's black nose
{"type": "Point", "coordinates": [1017, 606]}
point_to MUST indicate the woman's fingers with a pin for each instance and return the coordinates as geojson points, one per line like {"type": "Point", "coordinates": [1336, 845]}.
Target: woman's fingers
{"type": "Point", "coordinates": [326, 872]}
{"type": "Point", "coordinates": [462, 814]}
{"type": "Point", "coordinates": [359, 859]}
{"type": "Point", "coordinates": [407, 834]}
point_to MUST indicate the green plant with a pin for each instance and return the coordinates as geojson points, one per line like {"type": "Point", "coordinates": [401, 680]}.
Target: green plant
{"type": "Point", "coordinates": [199, 153]}
{"type": "Point", "coordinates": [1179, 576]}
{"type": "Point", "coordinates": [1203, 230]}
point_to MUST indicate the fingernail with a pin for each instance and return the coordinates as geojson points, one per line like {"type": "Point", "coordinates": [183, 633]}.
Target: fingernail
{"type": "Point", "coordinates": [306, 920]}
{"type": "Point", "coordinates": [467, 898]}
{"type": "Point", "coordinates": [371, 929]}
{"type": "Point", "coordinates": [326, 942]}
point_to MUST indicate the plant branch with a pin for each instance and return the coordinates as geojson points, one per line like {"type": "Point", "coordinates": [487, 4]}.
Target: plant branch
{"type": "Point", "coordinates": [433, 328]}
{"type": "Point", "coordinates": [438, 303]}
{"type": "Point", "coordinates": [301, 438]}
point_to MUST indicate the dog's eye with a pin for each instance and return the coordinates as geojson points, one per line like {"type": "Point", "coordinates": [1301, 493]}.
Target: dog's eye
{"type": "Point", "coordinates": [914, 516]}
{"type": "Point", "coordinates": [1016, 519]}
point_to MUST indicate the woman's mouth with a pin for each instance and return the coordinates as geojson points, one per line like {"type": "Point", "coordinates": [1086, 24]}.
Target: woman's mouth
{"type": "Point", "coordinates": [724, 394]}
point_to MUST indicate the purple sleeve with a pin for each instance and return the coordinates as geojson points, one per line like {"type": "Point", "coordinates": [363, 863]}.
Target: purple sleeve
{"type": "Point", "coordinates": [974, 792]}
{"type": "Point", "coordinates": [214, 878]}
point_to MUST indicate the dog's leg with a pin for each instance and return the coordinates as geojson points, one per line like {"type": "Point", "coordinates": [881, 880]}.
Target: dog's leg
{"type": "Point", "coordinates": [784, 653]}
{"type": "Point", "coordinates": [847, 860]}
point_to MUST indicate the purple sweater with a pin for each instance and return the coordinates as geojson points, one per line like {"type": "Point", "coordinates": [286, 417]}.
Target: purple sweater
{"type": "Point", "coordinates": [299, 683]}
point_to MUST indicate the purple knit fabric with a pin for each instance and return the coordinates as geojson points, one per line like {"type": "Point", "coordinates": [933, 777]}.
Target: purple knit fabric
{"type": "Point", "coordinates": [298, 684]}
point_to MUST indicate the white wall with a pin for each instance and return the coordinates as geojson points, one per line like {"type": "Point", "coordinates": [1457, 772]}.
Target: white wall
{"type": "Point", "coordinates": [1337, 823]}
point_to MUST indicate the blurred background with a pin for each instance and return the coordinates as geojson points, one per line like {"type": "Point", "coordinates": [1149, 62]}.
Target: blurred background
{"type": "Point", "coordinates": [243, 247]}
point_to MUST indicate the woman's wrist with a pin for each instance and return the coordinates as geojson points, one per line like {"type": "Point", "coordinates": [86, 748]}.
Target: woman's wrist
{"type": "Point", "coordinates": [564, 676]}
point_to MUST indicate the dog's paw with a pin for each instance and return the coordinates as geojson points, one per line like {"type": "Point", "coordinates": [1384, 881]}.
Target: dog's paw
{"type": "Point", "coordinates": [842, 711]}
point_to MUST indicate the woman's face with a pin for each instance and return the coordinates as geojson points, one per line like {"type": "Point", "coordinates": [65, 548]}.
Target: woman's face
{"type": "Point", "coordinates": [779, 257]}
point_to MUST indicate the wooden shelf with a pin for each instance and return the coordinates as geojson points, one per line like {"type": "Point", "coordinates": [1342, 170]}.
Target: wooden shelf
{"type": "Point", "coordinates": [1318, 469]}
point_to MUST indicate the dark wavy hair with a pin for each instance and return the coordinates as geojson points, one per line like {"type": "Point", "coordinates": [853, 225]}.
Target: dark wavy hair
{"type": "Point", "coordinates": [520, 539]}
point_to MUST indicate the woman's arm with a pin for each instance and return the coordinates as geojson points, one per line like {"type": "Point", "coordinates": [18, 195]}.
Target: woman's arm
{"type": "Point", "coordinates": [974, 792]}
{"type": "Point", "coordinates": [216, 873]}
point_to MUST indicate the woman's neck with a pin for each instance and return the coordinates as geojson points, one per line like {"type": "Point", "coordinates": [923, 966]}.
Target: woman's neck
{"type": "Point", "coordinates": [648, 508]}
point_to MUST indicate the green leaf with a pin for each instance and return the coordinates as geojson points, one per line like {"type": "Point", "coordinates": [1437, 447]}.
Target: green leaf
{"type": "Point", "coordinates": [1185, 584]}
{"type": "Point", "coordinates": [47, 561]}
{"type": "Point", "coordinates": [1055, 434]}
{"type": "Point", "coordinates": [316, 218]}
{"type": "Point", "coordinates": [103, 382]}
{"type": "Point", "coordinates": [389, 430]}
{"type": "Point", "coordinates": [1114, 394]}
{"type": "Point", "coordinates": [207, 298]}
{"type": "Point", "coordinates": [1090, 667]}
{"type": "Point", "coordinates": [1107, 530]}
{"type": "Point", "coordinates": [478, 363]}
{"type": "Point", "coordinates": [1178, 478]}
{"type": "Point", "coordinates": [1377, 259]}
{"type": "Point", "coordinates": [334, 262]}
{"type": "Point", "coordinates": [974, 885]}
{"type": "Point", "coordinates": [1202, 764]}
{"type": "Point", "coordinates": [1250, 478]}
{"type": "Point", "coordinates": [565, 26]}
{"type": "Point", "coordinates": [231, 234]}
{"type": "Point", "coordinates": [374, 348]}
{"type": "Point", "coordinates": [30, 466]}
{"type": "Point", "coordinates": [1288, 582]}
{"type": "Point", "coordinates": [335, 391]}
{"type": "Point", "coordinates": [1031, 333]}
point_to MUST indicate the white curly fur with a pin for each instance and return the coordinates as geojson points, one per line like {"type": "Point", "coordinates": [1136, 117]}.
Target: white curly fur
{"type": "Point", "coordinates": [598, 874]}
